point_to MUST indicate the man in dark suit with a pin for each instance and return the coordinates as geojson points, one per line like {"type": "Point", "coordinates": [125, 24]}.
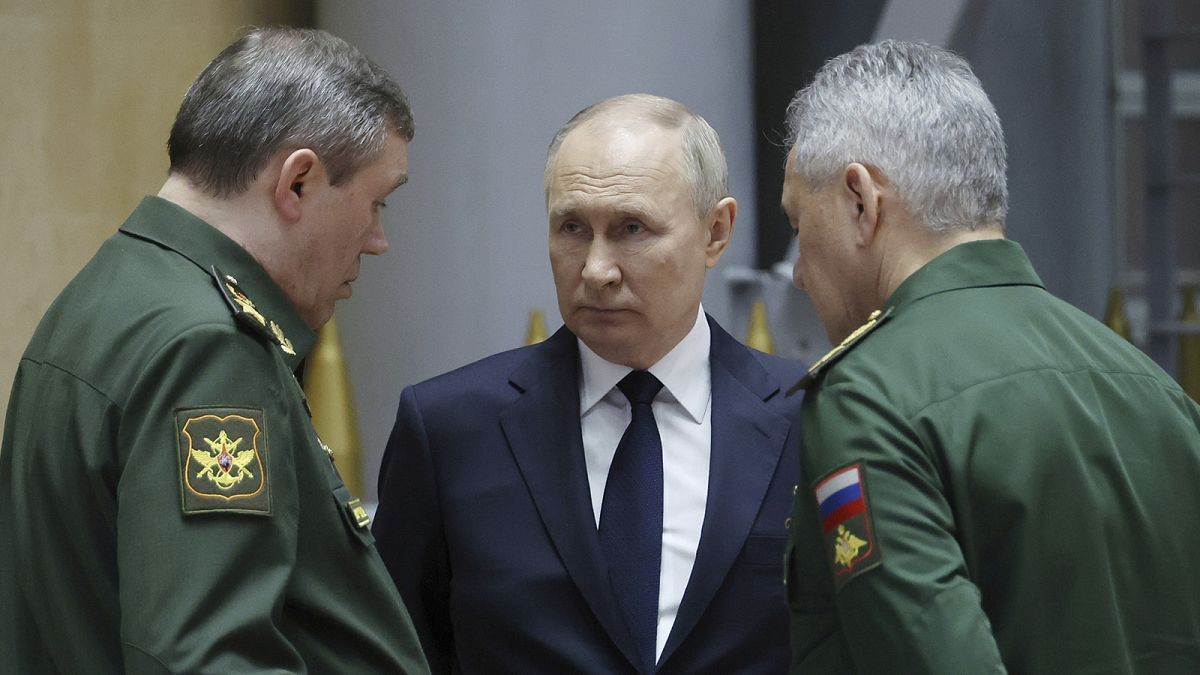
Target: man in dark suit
{"type": "Point", "coordinates": [613, 499]}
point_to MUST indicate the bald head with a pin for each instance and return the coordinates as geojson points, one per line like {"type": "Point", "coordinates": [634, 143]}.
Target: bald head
{"type": "Point", "coordinates": [703, 161]}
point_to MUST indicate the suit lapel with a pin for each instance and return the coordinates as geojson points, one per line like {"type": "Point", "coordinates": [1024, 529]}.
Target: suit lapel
{"type": "Point", "coordinates": [542, 429]}
{"type": "Point", "coordinates": [747, 442]}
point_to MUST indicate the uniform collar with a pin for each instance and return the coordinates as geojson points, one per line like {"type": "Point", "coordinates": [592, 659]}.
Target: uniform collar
{"type": "Point", "coordinates": [171, 226]}
{"type": "Point", "coordinates": [683, 371]}
{"type": "Point", "coordinates": [975, 264]}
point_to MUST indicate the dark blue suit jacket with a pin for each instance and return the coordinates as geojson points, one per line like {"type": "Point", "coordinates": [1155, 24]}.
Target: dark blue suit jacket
{"type": "Point", "coordinates": [485, 520]}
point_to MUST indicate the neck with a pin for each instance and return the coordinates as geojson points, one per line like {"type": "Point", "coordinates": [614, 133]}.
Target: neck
{"type": "Point", "coordinates": [240, 217]}
{"type": "Point", "coordinates": [918, 248]}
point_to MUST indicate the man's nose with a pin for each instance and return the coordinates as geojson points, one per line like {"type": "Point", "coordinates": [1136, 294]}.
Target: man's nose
{"type": "Point", "coordinates": [600, 269]}
{"type": "Point", "coordinates": [377, 243]}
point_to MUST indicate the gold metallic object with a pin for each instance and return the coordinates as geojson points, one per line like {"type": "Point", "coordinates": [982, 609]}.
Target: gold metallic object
{"type": "Point", "coordinates": [758, 332]}
{"type": "Point", "coordinates": [361, 518]}
{"type": "Point", "coordinates": [1115, 316]}
{"type": "Point", "coordinates": [537, 327]}
{"type": "Point", "coordinates": [284, 343]}
{"type": "Point", "coordinates": [243, 300]}
{"type": "Point", "coordinates": [850, 339]}
{"type": "Point", "coordinates": [327, 386]}
{"type": "Point", "coordinates": [846, 547]}
{"type": "Point", "coordinates": [1189, 345]}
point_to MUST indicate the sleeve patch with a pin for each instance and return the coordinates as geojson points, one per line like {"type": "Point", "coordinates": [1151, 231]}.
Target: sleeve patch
{"type": "Point", "coordinates": [223, 460]}
{"type": "Point", "coordinates": [845, 516]}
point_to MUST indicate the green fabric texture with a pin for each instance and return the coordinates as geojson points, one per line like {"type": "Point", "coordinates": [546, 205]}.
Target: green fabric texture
{"type": "Point", "coordinates": [106, 565]}
{"type": "Point", "coordinates": [1032, 488]}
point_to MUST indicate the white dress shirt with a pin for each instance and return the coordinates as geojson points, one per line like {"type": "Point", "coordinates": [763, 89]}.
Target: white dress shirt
{"type": "Point", "coordinates": [682, 412]}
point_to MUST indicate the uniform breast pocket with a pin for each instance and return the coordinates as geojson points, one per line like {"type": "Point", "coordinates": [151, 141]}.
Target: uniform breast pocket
{"type": "Point", "coordinates": [354, 515]}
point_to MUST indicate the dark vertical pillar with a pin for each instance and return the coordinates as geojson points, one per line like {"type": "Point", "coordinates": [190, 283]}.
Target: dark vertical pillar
{"type": "Point", "coordinates": [792, 39]}
{"type": "Point", "coordinates": [1160, 230]}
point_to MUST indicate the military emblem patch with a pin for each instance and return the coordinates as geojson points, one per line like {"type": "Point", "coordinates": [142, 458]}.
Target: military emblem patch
{"type": "Point", "coordinates": [846, 523]}
{"type": "Point", "coordinates": [223, 460]}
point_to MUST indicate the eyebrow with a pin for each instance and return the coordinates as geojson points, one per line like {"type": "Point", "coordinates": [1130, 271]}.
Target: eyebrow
{"type": "Point", "coordinates": [634, 210]}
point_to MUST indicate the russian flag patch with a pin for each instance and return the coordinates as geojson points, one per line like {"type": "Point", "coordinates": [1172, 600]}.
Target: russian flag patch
{"type": "Point", "coordinates": [846, 523]}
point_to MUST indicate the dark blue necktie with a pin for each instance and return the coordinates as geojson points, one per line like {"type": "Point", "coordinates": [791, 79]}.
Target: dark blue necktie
{"type": "Point", "coordinates": [631, 518]}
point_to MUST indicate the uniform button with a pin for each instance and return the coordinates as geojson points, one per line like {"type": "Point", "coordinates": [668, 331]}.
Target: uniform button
{"type": "Point", "coordinates": [794, 488]}
{"type": "Point", "coordinates": [787, 522]}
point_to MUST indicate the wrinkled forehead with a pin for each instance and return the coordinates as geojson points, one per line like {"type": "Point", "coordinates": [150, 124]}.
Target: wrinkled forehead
{"type": "Point", "coordinates": [618, 145]}
{"type": "Point", "coordinates": [618, 160]}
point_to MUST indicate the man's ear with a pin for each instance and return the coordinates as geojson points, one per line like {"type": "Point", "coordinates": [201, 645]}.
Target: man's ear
{"type": "Point", "coordinates": [299, 175]}
{"type": "Point", "coordinates": [720, 229]}
{"type": "Point", "coordinates": [864, 194]}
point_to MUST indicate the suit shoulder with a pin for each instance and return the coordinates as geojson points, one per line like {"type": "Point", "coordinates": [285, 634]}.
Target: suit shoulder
{"type": "Point", "coordinates": [787, 369]}
{"type": "Point", "coordinates": [479, 373]}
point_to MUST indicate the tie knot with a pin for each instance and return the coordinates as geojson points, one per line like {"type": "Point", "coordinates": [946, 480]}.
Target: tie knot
{"type": "Point", "coordinates": [640, 386]}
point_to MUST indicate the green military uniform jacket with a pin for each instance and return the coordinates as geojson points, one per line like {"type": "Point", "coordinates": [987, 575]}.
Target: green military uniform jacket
{"type": "Point", "coordinates": [165, 505]}
{"type": "Point", "coordinates": [991, 479]}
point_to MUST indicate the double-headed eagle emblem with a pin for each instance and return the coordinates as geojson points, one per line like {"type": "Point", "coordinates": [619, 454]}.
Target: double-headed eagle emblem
{"type": "Point", "coordinates": [846, 547]}
{"type": "Point", "coordinates": [223, 463]}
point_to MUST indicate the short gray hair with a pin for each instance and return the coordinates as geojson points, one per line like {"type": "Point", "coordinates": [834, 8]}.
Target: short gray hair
{"type": "Point", "coordinates": [918, 114]}
{"type": "Point", "coordinates": [704, 165]}
{"type": "Point", "coordinates": [279, 88]}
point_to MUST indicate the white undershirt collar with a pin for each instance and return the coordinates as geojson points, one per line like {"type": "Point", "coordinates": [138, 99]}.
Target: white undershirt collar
{"type": "Point", "coordinates": [683, 371]}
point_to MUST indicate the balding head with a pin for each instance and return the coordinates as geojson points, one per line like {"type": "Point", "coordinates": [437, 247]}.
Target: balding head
{"type": "Point", "coordinates": [704, 167]}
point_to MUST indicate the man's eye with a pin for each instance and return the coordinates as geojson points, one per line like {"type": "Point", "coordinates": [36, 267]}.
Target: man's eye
{"type": "Point", "coordinates": [381, 204]}
{"type": "Point", "coordinates": [571, 227]}
{"type": "Point", "coordinates": [634, 227]}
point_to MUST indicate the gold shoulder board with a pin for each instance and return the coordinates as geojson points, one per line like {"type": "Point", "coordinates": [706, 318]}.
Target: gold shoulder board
{"type": "Point", "coordinates": [814, 373]}
{"type": "Point", "coordinates": [247, 314]}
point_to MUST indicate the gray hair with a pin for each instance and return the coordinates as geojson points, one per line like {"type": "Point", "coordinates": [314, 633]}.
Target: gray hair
{"type": "Point", "coordinates": [918, 114]}
{"type": "Point", "coordinates": [704, 166]}
{"type": "Point", "coordinates": [279, 88]}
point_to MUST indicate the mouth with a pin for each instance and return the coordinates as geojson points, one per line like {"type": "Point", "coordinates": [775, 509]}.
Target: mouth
{"type": "Point", "coordinates": [602, 314]}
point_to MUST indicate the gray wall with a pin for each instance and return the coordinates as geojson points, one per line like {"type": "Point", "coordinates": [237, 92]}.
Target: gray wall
{"type": "Point", "coordinates": [490, 82]}
{"type": "Point", "coordinates": [1045, 66]}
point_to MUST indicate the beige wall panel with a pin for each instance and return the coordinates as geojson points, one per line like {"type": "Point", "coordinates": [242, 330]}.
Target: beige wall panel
{"type": "Point", "coordinates": [88, 91]}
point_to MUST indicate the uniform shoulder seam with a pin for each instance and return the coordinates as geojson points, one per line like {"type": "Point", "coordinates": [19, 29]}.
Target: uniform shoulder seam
{"type": "Point", "coordinates": [73, 375]}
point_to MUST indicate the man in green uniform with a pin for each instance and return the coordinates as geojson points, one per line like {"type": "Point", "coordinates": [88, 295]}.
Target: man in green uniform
{"type": "Point", "coordinates": [991, 479]}
{"type": "Point", "coordinates": [165, 505]}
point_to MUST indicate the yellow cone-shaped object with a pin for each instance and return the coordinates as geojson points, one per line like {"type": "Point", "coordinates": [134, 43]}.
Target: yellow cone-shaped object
{"type": "Point", "coordinates": [758, 333]}
{"type": "Point", "coordinates": [1114, 315]}
{"type": "Point", "coordinates": [327, 386]}
{"type": "Point", "coordinates": [537, 327]}
{"type": "Point", "coordinates": [1189, 345]}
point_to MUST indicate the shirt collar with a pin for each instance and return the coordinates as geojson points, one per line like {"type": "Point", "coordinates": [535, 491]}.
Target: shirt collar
{"type": "Point", "coordinates": [171, 226]}
{"type": "Point", "coordinates": [975, 264]}
{"type": "Point", "coordinates": [684, 372]}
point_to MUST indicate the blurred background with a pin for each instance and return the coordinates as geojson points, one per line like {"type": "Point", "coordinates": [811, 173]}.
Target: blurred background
{"type": "Point", "coordinates": [1100, 100]}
